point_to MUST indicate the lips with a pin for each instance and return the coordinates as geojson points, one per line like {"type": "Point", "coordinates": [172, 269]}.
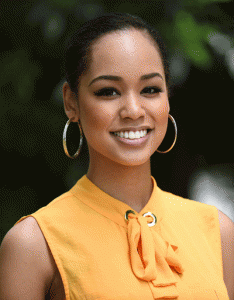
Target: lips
{"type": "Point", "coordinates": [148, 130]}
{"type": "Point", "coordinates": [133, 128]}
{"type": "Point", "coordinates": [136, 142]}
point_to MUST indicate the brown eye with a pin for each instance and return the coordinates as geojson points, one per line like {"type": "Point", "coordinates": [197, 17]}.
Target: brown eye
{"type": "Point", "coordinates": [151, 90]}
{"type": "Point", "coordinates": [106, 92]}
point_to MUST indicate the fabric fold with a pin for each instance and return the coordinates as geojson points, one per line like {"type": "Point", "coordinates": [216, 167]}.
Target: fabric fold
{"type": "Point", "coordinates": [152, 257]}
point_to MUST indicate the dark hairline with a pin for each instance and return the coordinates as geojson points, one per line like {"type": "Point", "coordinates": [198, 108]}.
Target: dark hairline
{"type": "Point", "coordinates": [96, 28]}
{"type": "Point", "coordinates": [148, 36]}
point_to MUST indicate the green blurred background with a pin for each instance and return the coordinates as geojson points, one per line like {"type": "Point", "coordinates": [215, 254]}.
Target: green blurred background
{"type": "Point", "coordinates": [199, 36]}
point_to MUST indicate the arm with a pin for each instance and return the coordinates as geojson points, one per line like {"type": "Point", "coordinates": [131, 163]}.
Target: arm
{"type": "Point", "coordinates": [227, 242]}
{"type": "Point", "coordinates": [25, 267]}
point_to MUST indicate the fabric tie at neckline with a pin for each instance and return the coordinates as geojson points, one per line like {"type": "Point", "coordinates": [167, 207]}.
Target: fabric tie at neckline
{"type": "Point", "coordinates": [151, 256]}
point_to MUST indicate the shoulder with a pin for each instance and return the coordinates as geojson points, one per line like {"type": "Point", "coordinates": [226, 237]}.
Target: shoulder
{"type": "Point", "coordinates": [226, 231]}
{"type": "Point", "coordinates": [27, 239]}
{"type": "Point", "coordinates": [227, 243]}
{"type": "Point", "coordinates": [29, 233]}
{"type": "Point", "coordinates": [179, 203]}
{"type": "Point", "coordinates": [225, 222]}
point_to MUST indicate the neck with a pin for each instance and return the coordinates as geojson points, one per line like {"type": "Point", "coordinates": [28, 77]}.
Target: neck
{"type": "Point", "coordinates": [129, 184]}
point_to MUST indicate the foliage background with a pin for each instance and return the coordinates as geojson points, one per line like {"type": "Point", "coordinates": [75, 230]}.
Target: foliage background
{"type": "Point", "coordinates": [199, 35]}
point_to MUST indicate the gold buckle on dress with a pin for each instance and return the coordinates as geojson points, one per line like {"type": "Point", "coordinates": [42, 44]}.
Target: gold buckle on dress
{"type": "Point", "coordinates": [144, 215]}
{"type": "Point", "coordinates": [153, 216]}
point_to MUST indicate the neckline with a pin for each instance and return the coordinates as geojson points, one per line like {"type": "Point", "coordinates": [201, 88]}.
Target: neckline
{"type": "Point", "coordinates": [87, 192]}
{"type": "Point", "coordinates": [151, 256]}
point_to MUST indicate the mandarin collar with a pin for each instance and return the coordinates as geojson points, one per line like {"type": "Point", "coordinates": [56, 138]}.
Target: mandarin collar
{"type": "Point", "coordinates": [112, 208]}
{"type": "Point", "coordinates": [153, 259]}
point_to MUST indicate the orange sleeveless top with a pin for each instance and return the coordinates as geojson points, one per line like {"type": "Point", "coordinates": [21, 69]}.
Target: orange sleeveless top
{"type": "Point", "coordinates": [104, 250]}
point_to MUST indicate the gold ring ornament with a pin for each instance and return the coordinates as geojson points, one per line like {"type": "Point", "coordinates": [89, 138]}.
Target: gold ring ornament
{"type": "Point", "coordinates": [127, 213]}
{"type": "Point", "coordinates": [153, 216]}
{"type": "Point", "coordinates": [65, 140]}
{"type": "Point", "coordinates": [174, 123]}
{"type": "Point", "coordinates": [144, 215]}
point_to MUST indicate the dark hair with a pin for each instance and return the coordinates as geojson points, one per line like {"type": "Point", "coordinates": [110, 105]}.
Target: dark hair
{"type": "Point", "coordinates": [78, 58]}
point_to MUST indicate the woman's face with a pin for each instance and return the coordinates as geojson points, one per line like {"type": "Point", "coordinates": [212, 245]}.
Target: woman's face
{"type": "Point", "coordinates": [132, 96]}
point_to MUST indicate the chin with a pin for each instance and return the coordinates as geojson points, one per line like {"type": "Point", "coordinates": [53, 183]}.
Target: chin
{"type": "Point", "coordinates": [131, 162]}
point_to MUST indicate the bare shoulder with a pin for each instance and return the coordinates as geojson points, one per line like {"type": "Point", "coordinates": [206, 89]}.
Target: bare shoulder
{"type": "Point", "coordinates": [30, 230]}
{"type": "Point", "coordinates": [31, 234]}
{"type": "Point", "coordinates": [227, 243]}
{"type": "Point", "coordinates": [24, 250]}
{"type": "Point", "coordinates": [224, 219]}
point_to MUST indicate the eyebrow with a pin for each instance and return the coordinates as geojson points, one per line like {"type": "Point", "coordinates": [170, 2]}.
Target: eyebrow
{"type": "Point", "coordinates": [117, 78]}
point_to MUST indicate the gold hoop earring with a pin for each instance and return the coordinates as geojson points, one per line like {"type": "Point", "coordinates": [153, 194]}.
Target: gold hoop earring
{"type": "Point", "coordinates": [174, 123]}
{"type": "Point", "coordinates": [65, 140]}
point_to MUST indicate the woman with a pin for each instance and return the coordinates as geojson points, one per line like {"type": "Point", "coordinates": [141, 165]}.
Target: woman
{"type": "Point", "coordinates": [116, 234]}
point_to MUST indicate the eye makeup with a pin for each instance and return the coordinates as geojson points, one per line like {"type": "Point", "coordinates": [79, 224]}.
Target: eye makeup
{"type": "Point", "coordinates": [108, 92]}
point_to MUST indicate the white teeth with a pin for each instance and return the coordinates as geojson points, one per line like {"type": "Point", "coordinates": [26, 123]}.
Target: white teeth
{"type": "Point", "coordinates": [131, 135]}
{"type": "Point", "coordinates": [126, 135]}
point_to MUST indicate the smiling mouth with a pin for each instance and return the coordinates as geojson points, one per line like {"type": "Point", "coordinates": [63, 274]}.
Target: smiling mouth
{"type": "Point", "coordinates": [148, 130]}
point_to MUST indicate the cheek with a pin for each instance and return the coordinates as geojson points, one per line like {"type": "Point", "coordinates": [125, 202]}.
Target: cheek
{"type": "Point", "coordinates": [95, 117]}
{"type": "Point", "coordinates": [161, 110]}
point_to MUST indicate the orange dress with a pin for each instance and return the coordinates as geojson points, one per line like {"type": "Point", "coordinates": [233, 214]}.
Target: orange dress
{"type": "Point", "coordinates": [102, 253]}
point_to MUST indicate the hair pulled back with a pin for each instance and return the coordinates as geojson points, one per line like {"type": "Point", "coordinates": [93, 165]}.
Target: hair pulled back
{"type": "Point", "coordinates": [78, 52]}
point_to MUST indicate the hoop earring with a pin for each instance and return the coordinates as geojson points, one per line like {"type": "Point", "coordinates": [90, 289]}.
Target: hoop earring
{"type": "Point", "coordinates": [65, 140]}
{"type": "Point", "coordinates": [174, 123]}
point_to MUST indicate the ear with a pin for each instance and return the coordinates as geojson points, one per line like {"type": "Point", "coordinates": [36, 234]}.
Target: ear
{"type": "Point", "coordinates": [168, 106]}
{"type": "Point", "coordinates": [70, 103]}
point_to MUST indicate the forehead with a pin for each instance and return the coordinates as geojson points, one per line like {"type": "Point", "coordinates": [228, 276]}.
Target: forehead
{"type": "Point", "coordinates": [127, 53]}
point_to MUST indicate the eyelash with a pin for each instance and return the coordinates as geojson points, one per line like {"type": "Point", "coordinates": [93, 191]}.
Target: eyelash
{"type": "Point", "coordinates": [101, 93]}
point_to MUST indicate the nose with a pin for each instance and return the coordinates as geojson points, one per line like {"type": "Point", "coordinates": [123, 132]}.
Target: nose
{"type": "Point", "coordinates": [132, 107]}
